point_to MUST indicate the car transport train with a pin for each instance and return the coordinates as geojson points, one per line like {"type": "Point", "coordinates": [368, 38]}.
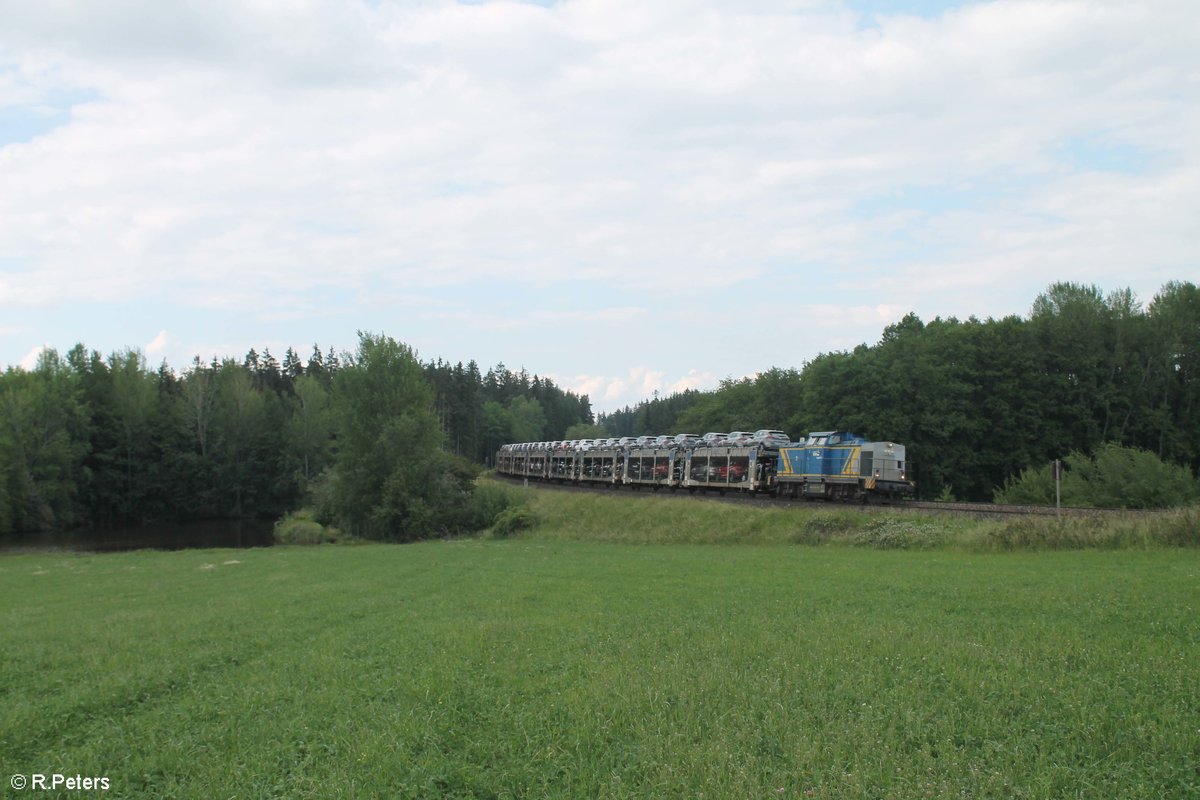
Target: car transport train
{"type": "Point", "coordinates": [827, 465]}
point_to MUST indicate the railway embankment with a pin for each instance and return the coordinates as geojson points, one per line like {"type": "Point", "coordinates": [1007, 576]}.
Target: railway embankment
{"type": "Point", "coordinates": [562, 512]}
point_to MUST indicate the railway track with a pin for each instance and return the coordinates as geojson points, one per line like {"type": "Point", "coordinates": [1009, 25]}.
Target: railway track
{"type": "Point", "coordinates": [763, 500]}
{"type": "Point", "coordinates": [1002, 510]}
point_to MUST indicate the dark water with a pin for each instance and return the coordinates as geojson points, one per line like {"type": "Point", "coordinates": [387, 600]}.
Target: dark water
{"type": "Point", "coordinates": [175, 536]}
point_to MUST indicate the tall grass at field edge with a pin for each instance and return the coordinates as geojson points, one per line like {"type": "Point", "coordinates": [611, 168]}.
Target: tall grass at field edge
{"type": "Point", "coordinates": [672, 519]}
{"type": "Point", "coordinates": [1178, 528]}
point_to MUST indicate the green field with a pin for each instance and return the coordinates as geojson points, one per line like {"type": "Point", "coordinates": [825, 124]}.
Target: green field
{"type": "Point", "coordinates": [546, 667]}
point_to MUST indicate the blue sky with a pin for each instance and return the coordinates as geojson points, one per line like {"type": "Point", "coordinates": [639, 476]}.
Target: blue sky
{"type": "Point", "coordinates": [628, 197]}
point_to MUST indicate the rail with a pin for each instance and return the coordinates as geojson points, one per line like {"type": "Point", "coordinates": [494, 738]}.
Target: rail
{"type": "Point", "coordinates": [735, 496]}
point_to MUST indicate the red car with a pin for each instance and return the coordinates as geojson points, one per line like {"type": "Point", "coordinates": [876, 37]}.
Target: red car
{"type": "Point", "coordinates": [734, 473]}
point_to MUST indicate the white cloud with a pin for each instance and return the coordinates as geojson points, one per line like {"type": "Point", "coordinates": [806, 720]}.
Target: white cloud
{"type": "Point", "coordinates": [31, 358]}
{"type": "Point", "coordinates": [230, 156]}
{"type": "Point", "coordinates": [158, 345]}
{"type": "Point", "coordinates": [610, 392]}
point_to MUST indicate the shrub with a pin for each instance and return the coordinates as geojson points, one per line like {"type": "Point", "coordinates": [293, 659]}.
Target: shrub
{"type": "Point", "coordinates": [487, 502]}
{"type": "Point", "coordinates": [1115, 477]}
{"type": "Point", "coordinates": [1034, 486]}
{"type": "Point", "coordinates": [514, 519]}
{"type": "Point", "coordinates": [1125, 477]}
{"type": "Point", "coordinates": [300, 527]}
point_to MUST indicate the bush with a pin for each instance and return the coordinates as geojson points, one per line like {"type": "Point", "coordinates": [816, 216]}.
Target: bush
{"type": "Point", "coordinates": [512, 520]}
{"type": "Point", "coordinates": [1033, 487]}
{"type": "Point", "coordinates": [478, 509]}
{"type": "Point", "coordinates": [487, 502]}
{"type": "Point", "coordinates": [1115, 477]}
{"type": "Point", "coordinates": [300, 527]}
{"type": "Point", "coordinates": [1125, 477]}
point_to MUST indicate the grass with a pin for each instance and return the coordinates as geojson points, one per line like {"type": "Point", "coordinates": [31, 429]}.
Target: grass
{"type": "Point", "coordinates": [547, 666]}
{"type": "Point", "coordinates": [666, 518]}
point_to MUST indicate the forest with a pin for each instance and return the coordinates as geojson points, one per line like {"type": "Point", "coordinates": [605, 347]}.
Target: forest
{"type": "Point", "coordinates": [978, 401]}
{"type": "Point", "coordinates": [92, 440]}
{"type": "Point", "coordinates": [390, 444]}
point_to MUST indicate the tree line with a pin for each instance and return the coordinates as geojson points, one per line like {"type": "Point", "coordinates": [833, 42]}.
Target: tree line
{"type": "Point", "coordinates": [385, 444]}
{"type": "Point", "coordinates": [87, 439]}
{"type": "Point", "coordinates": [978, 401]}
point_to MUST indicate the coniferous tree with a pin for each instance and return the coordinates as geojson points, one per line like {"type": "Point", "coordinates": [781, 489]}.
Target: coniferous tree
{"type": "Point", "coordinates": [292, 368]}
{"type": "Point", "coordinates": [316, 367]}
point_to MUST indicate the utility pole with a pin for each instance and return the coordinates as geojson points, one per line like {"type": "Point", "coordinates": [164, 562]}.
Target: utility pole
{"type": "Point", "coordinates": [1058, 487]}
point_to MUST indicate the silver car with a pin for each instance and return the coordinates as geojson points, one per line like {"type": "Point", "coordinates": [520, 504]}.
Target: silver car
{"type": "Point", "coordinates": [772, 439]}
{"type": "Point", "coordinates": [738, 439]}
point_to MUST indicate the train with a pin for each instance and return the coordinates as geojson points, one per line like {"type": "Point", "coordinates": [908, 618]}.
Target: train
{"type": "Point", "coordinates": [826, 465]}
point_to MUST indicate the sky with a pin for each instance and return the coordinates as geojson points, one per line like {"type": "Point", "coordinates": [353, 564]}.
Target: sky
{"type": "Point", "coordinates": [628, 197]}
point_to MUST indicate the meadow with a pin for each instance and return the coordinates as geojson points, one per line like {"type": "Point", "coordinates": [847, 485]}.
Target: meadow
{"type": "Point", "coordinates": [551, 664]}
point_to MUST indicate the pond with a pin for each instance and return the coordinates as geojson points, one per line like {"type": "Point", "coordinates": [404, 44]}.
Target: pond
{"type": "Point", "coordinates": [170, 536]}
